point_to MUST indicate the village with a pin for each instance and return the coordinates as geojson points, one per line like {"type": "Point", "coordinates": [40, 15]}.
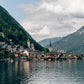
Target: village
{"type": "Point", "coordinates": [28, 54]}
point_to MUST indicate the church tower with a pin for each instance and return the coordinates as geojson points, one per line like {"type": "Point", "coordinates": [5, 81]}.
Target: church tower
{"type": "Point", "coordinates": [28, 43]}
{"type": "Point", "coordinates": [32, 47]}
{"type": "Point", "coordinates": [50, 46]}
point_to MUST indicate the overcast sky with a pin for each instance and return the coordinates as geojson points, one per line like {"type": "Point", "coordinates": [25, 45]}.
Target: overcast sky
{"type": "Point", "coordinates": [47, 18]}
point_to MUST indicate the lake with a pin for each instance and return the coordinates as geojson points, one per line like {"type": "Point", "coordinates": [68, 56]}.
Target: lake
{"type": "Point", "coordinates": [42, 72]}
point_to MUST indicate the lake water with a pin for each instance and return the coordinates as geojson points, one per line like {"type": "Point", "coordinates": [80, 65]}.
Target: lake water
{"type": "Point", "coordinates": [42, 72]}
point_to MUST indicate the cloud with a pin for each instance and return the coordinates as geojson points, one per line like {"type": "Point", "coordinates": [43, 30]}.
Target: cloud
{"type": "Point", "coordinates": [52, 18]}
{"type": "Point", "coordinates": [44, 31]}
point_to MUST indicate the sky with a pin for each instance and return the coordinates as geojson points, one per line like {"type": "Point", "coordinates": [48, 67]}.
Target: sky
{"type": "Point", "coordinates": [47, 18]}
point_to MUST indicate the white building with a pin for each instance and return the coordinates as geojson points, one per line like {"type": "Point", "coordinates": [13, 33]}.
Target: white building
{"type": "Point", "coordinates": [1, 34]}
{"type": "Point", "coordinates": [32, 46]}
{"type": "Point", "coordinates": [26, 52]}
{"type": "Point", "coordinates": [28, 43]}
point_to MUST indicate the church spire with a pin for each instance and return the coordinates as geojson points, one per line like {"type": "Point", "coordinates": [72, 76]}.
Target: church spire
{"type": "Point", "coordinates": [50, 43]}
{"type": "Point", "coordinates": [50, 46]}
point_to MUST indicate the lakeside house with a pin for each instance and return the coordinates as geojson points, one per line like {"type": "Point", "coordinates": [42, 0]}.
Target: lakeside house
{"type": "Point", "coordinates": [2, 34]}
{"type": "Point", "coordinates": [3, 46]}
{"type": "Point", "coordinates": [2, 43]}
{"type": "Point", "coordinates": [58, 56]}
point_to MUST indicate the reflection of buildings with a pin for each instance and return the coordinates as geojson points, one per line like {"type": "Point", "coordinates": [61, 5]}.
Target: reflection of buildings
{"type": "Point", "coordinates": [69, 64]}
{"type": "Point", "coordinates": [16, 67]}
{"type": "Point", "coordinates": [75, 63]}
{"type": "Point", "coordinates": [26, 67]}
{"type": "Point", "coordinates": [20, 70]}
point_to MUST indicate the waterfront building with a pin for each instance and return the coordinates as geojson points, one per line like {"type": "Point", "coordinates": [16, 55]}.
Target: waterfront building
{"type": "Point", "coordinates": [16, 54]}
{"type": "Point", "coordinates": [3, 47]}
{"type": "Point", "coordinates": [26, 53]}
{"type": "Point", "coordinates": [11, 42]}
{"type": "Point", "coordinates": [2, 43]}
{"type": "Point", "coordinates": [1, 34]}
{"type": "Point", "coordinates": [33, 54]}
{"type": "Point", "coordinates": [9, 48]}
{"type": "Point", "coordinates": [61, 51]}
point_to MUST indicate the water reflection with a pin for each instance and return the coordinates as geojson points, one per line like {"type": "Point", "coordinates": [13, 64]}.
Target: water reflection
{"type": "Point", "coordinates": [42, 72]}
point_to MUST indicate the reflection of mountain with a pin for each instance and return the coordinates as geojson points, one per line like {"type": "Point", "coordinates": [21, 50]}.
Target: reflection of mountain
{"type": "Point", "coordinates": [45, 42]}
{"type": "Point", "coordinates": [71, 43]}
{"type": "Point", "coordinates": [13, 30]}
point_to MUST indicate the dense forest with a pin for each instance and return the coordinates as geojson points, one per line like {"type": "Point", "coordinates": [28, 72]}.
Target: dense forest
{"type": "Point", "coordinates": [13, 30]}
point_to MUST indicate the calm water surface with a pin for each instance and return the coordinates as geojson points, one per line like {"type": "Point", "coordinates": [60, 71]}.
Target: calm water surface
{"type": "Point", "coordinates": [42, 72]}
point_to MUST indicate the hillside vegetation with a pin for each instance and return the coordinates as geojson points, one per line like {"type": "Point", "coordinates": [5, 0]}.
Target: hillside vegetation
{"type": "Point", "coordinates": [13, 30]}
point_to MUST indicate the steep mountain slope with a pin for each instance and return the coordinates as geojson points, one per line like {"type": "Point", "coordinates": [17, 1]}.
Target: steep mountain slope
{"type": "Point", "coordinates": [45, 42]}
{"type": "Point", "coordinates": [13, 30]}
{"type": "Point", "coordinates": [71, 43]}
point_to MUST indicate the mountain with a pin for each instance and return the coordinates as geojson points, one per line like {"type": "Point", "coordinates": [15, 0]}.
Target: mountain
{"type": "Point", "coordinates": [72, 43]}
{"type": "Point", "coordinates": [45, 42]}
{"type": "Point", "coordinates": [13, 30]}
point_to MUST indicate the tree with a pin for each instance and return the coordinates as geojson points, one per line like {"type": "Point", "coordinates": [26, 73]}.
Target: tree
{"type": "Point", "coordinates": [11, 55]}
{"type": "Point", "coordinates": [2, 53]}
{"type": "Point", "coordinates": [46, 50]}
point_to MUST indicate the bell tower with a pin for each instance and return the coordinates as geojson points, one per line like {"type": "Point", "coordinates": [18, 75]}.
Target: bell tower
{"type": "Point", "coordinates": [28, 43]}
{"type": "Point", "coordinates": [32, 47]}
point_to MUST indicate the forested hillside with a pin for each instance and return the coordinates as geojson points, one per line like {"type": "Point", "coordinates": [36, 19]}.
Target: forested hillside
{"type": "Point", "coordinates": [13, 30]}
